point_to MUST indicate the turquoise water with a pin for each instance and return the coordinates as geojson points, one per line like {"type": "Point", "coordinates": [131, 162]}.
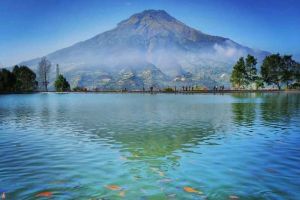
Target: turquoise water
{"type": "Point", "coordinates": [142, 146]}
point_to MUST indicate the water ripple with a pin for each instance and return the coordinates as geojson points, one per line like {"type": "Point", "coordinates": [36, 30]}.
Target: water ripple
{"type": "Point", "coordinates": [150, 147]}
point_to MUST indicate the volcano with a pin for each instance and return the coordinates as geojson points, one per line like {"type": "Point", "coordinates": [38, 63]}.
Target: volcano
{"type": "Point", "coordinates": [150, 48]}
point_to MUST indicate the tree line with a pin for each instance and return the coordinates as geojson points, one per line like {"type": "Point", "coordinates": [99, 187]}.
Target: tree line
{"type": "Point", "coordinates": [20, 79]}
{"type": "Point", "coordinates": [275, 70]}
{"type": "Point", "coordinates": [23, 79]}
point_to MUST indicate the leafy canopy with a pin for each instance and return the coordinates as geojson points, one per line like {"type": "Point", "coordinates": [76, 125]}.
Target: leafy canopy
{"type": "Point", "coordinates": [61, 84]}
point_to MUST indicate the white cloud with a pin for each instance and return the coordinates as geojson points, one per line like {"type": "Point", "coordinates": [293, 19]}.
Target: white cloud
{"type": "Point", "coordinates": [229, 51]}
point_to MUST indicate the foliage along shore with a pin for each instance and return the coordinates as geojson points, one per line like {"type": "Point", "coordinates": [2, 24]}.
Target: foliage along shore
{"type": "Point", "coordinates": [163, 92]}
{"type": "Point", "coordinates": [276, 70]}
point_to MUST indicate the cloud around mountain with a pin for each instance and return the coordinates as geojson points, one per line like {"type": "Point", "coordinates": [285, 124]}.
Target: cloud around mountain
{"type": "Point", "coordinates": [150, 48]}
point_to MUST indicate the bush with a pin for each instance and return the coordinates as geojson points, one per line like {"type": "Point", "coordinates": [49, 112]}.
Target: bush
{"type": "Point", "coordinates": [61, 84]}
{"type": "Point", "coordinates": [79, 89]}
{"type": "Point", "coordinates": [295, 85]}
{"type": "Point", "coordinates": [168, 89]}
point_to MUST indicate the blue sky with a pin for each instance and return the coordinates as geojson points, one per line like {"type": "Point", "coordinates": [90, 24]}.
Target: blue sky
{"type": "Point", "coordinates": [33, 28]}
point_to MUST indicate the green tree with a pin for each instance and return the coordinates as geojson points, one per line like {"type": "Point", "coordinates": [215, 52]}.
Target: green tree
{"type": "Point", "coordinates": [271, 70]}
{"type": "Point", "coordinates": [259, 82]}
{"type": "Point", "coordinates": [288, 70]}
{"type": "Point", "coordinates": [296, 73]}
{"type": "Point", "coordinates": [238, 75]}
{"type": "Point", "coordinates": [280, 70]}
{"type": "Point", "coordinates": [7, 81]}
{"type": "Point", "coordinates": [296, 76]}
{"type": "Point", "coordinates": [250, 69]}
{"type": "Point", "coordinates": [25, 79]}
{"type": "Point", "coordinates": [61, 84]}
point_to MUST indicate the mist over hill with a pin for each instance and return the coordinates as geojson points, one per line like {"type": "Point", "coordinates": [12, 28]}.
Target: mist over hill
{"type": "Point", "coordinates": [150, 48]}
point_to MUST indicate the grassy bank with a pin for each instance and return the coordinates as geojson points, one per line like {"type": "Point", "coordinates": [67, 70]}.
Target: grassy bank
{"type": "Point", "coordinates": [166, 92]}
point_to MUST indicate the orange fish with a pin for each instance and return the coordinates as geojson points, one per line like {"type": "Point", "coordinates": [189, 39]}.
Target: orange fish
{"type": "Point", "coordinates": [44, 194]}
{"type": "Point", "coordinates": [113, 187]}
{"type": "Point", "coordinates": [192, 190]}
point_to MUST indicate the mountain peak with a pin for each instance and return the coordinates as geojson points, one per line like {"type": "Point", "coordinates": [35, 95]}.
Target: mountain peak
{"type": "Point", "coordinates": [149, 38]}
{"type": "Point", "coordinates": [159, 25]}
{"type": "Point", "coordinates": [155, 13]}
{"type": "Point", "coordinates": [148, 17]}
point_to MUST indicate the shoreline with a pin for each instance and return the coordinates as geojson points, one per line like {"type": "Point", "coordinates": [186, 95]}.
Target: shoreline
{"type": "Point", "coordinates": [164, 92]}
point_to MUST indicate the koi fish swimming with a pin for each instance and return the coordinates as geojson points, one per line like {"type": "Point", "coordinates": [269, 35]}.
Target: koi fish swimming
{"type": "Point", "coordinates": [44, 194]}
{"type": "Point", "coordinates": [63, 147]}
{"type": "Point", "coordinates": [113, 187]}
{"type": "Point", "coordinates": [192, 190]}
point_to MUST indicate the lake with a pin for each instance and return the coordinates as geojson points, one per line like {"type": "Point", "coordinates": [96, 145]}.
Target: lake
{"type": "Point", "coordinates": [143, 146]}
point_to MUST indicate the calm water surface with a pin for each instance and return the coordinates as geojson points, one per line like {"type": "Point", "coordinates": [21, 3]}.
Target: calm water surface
{"type": "Point", "coordinates": [82, 146]}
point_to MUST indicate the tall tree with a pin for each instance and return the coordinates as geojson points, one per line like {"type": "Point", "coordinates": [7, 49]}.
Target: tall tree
{"type": "Point", "coordinates": [288, 69]}
{"type": "Point", "coordinates": [296, 72]}
{"type": "Point", "coordinates": [61, 84]}
{"type": "Point", "coordinates": [57, 71]}
{"type": "Point", "coordinates": [250, 69]}
{"type": "Point", "coordinates": [238, 78]}
{"type": "Point", "coordinates": [271, 70]}
{"type": "Point", "coordinates": [25, 79]}
{"type": "Point", "coordinates": [7, 81]}
{"type": "Point", "coordinates": [43, 72]}
{"type": "Point", "coordinates": [279, 70]}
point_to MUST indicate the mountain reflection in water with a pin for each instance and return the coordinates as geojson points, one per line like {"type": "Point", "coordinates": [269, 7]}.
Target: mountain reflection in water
{"type": "Point", "coordinates": [135, 146]}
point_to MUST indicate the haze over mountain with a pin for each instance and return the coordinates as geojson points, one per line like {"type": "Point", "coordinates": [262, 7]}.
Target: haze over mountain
{"type": "Point", "coordinates": [150, 48]}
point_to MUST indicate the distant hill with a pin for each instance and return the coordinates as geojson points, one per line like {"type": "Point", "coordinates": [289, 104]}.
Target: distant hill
{"type": "Point", "coordinates": [150, 48]}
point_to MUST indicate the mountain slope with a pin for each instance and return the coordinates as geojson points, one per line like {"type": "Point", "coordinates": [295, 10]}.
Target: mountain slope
{"type": "Point", "coordinates": [151, 40]}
